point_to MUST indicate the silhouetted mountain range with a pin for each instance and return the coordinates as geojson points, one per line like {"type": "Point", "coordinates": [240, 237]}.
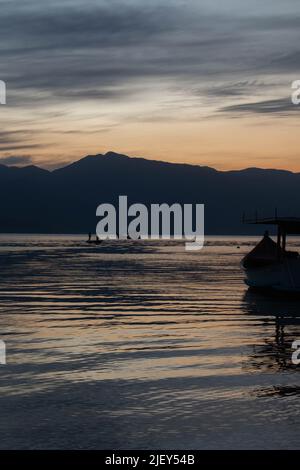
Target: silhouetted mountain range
{"type": "Point", "coordinates": [65, 200]}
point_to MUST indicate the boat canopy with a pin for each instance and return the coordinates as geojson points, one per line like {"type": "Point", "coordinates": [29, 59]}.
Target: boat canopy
{"type": "Point", "coordinates": [266, 252]}
{"type": "Point", "coordinates": [286, 225]}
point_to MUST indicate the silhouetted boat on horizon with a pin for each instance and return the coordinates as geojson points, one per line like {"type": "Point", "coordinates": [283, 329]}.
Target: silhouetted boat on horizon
{"type": "Point", "coordinates": [94, 242]}
{"type": "Point", "coordinates": [90, 241]}
{"type": "Point", "coordinates": [270, 265]}
{"type": "Point", "coordinates": [98, 241]}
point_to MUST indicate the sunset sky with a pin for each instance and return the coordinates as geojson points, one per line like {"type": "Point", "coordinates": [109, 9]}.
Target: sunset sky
{"type": "Point", "coordinates": [198, 81]}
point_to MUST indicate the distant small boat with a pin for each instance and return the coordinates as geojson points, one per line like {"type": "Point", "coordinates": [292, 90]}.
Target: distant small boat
{"type": "Point", "coordinates": [270, 265]}
{"type": "Point", "coordinates": [94, 242]}
{"type": "Point", "coordinates": [97, 241]}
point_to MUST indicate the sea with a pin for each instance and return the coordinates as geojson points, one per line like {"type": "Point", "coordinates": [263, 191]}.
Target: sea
{"type": "Point", "coordinates": [143, 345]}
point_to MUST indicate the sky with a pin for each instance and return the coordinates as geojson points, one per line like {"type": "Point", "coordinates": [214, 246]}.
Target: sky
{"type": "Point", "coordinates": [194, 81]}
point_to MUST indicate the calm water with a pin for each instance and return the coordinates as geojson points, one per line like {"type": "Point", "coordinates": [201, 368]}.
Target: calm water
{"type": "Point", "coordinates": [142, 345]}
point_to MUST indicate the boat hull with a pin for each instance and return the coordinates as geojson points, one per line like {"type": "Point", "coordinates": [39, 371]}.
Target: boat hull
{"type": "Point", "coordinates": [280, 276]}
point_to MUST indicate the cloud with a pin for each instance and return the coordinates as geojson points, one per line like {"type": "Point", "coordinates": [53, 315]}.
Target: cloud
{"type": "Point", "coordinates": [18, 160]}
{"type": "Point", "coordinates": [240, 89]}
{"type": "Point", "coordinates": [96, 49]}
{"type": "Point", "coordinates": [13, 136]}
{"type": "Point", "coordinates": [128, 57]}
{"type": "Point", "coordinates": [4, 148]}
{"type": "Point", "coordinates": [16, 140]}
{"type": "Point", "coordinates": [283, 106]}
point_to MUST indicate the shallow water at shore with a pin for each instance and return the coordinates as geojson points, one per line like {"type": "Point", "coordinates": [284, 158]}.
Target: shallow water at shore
{"type": "Point", "coordinates": [142, 345]}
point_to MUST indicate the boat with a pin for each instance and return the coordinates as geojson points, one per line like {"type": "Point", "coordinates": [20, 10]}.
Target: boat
{"type": "Point", "coordinates": [270, 265]}
{"type": "Point", "coordinates": [97, 241]}
{"type": "Point", "coordinates": [94, 242]}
